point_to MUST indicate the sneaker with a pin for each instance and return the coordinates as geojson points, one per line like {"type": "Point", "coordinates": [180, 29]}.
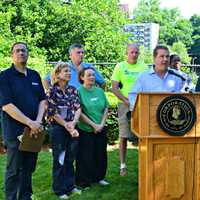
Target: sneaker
{"type": "Point", "coordinates": [64, 196]}
{"type": "Point", "coordinates": [123, 171]}
{"type": "Point", "coordinates": [76, 191]}
{"type": "Point", "coordinates": [103, 182]}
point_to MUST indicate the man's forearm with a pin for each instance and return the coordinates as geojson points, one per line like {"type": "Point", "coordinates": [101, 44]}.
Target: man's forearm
{"type": "Point", "coordinates": [41, 110]}
{"type": "Point", "coordinates": [16, 114]}
{"type": "Point", "coordinates": [119, 95]}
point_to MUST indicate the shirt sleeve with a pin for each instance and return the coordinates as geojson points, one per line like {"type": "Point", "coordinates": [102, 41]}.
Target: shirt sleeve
{"type": "Point", "coordinates": [99, 78]}
{"type": "Point", "coordinates": [137, 87]}
{"type": "Point", "coordinates": [116, 73]}
{"type": "Point", "coordinates": [5, 90]}
{"type": "Point", "coordinates": [42, 93]}
{"type": "Point", "coordinates": [48, 77]}
{"type": "Point", "coordinates": [76, 100]}
{"type": "Point", "coordinates": [191, 86]}
{"type": "Point", "coordinates": [52, 105]}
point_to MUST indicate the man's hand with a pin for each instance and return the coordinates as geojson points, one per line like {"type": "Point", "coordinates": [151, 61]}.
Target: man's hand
{"type": "Point", "coordinates": [35, 126]}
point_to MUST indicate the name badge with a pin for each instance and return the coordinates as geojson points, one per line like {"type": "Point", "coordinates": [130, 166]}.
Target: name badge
{"type": "Point", "coordinates": [94, 99]}
{"type": "Point", "coordinates": [33, 83]}
{"type": "Point", "coordinates": [63, 111]}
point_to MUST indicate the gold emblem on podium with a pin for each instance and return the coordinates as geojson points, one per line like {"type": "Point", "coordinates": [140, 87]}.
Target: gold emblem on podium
{"type": "Point", "coordinates": [176, 115]}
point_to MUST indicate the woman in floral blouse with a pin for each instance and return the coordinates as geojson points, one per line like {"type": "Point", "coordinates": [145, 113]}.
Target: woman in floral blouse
{"type": "Point", "coordinates": [63, 114]}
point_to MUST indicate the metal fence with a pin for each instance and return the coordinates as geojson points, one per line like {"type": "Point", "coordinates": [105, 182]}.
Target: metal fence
{"type": "Point", "coordinates": [192, 67]}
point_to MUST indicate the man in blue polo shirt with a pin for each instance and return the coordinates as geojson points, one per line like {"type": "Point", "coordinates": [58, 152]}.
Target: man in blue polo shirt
{"type": "Point", "coordinates": [22, 99]}
{"type": "Point", "coordinates": [76, 54]}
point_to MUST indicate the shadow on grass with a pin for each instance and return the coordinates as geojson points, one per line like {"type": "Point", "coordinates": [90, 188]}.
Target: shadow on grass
{"type": "Point", "coordinates": [120, 188]}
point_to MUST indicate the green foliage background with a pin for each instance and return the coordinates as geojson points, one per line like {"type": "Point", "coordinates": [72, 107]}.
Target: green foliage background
{"type": "Point", "coordinates": [51, 26]}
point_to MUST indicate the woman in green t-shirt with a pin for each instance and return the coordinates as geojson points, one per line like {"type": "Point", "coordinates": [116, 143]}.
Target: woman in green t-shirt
{"type": "Point", "coordinates": [92, 156]}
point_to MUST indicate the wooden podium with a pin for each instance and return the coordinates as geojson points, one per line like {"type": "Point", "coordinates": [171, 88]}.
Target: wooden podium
{"type": "Point", "coordinates": [169, 166]}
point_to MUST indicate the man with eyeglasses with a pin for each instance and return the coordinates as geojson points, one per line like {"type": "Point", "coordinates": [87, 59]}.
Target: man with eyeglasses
{"type": "Point", "coordinates": [22, 99]}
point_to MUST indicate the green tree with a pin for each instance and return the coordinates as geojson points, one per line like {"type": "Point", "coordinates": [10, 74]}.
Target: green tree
{"type": "Point", "coordinates": [173, 27]}
{"type": "Point", "coordinates": [194, 50]}
{"type": "Point", "coordinates": [147, 11]}
{"type": "Point", "coordinates": [180, 49]}
{"type": "Point", "coordinates": [145, 55]}
{"type": "Point", "coordinates": [50, 27]}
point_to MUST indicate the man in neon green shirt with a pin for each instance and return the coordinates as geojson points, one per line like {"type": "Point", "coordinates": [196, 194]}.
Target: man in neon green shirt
{"type": "Point", "coordinates": [124, 76]}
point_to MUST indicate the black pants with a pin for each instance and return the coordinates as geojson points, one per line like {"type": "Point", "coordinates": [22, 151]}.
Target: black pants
{"type": "Point", "coordinates": [91, 162]}
{"type": "Point", "coordinates": [19, 169]}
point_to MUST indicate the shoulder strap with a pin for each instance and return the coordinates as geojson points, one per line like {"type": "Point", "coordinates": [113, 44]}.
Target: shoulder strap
{"type": "Point", "coordinates": [176, 74]}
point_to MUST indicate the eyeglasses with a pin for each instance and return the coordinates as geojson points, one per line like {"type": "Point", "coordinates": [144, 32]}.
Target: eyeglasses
{"type": "Point", "coordinates": [18, 50]}
{"type": "Point", "coordinates": [80, 52]}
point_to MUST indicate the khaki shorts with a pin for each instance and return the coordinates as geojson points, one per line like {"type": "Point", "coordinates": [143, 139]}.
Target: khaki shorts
{"type": "Point", "coordinates": [124, 126]}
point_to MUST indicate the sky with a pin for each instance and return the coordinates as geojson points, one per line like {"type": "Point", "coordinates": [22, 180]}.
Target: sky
{"type": "Point", "coordinates": [187, 7]}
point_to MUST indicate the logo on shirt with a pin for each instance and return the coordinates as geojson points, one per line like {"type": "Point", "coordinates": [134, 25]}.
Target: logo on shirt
{"type": "Point", "coordinates": [130, 73]}
{"type": "Point", "coordinates": [94, 99]}
{"type": "Point", "coordinates": [176, 115]}
{"type": "Point", "coordinates": [34, 83]}
{"type": "Point", "coordinates": [171, 83]}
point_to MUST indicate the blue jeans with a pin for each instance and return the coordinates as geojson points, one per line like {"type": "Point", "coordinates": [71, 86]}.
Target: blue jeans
{"type": "Point", "coordinates": [19, 169]}
{"type": "Point", "coordinates": [63, 173]}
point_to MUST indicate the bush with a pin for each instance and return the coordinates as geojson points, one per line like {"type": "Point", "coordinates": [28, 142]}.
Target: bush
{"type": "Point", "coordinates": [112, 126]}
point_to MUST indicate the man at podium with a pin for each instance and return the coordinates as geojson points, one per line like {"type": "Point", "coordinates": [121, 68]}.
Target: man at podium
{"type": "Point", "coordinates": [159, 78]}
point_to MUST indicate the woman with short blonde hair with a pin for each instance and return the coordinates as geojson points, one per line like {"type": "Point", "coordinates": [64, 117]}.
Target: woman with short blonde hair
{"type": "Point", "coordinates": [56, 70]}
{"type": "Point", "coordinates": [63, 114]}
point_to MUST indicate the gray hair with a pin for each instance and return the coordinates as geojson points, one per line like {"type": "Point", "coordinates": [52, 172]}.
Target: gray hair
{"type": "Point", "coordinates": [73, 46]}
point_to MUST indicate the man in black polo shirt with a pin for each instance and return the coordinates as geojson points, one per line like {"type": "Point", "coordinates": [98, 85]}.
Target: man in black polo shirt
{"type": "Point", "coordinates": [23, 104]}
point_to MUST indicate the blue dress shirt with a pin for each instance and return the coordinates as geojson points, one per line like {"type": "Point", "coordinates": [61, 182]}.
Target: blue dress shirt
{"type": "Point", "coordinates": [151, 82]}
{"type": "Point", "coordinates": [74, 75]}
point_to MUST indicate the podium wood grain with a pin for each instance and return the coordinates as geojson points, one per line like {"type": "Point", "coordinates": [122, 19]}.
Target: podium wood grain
{"type": "Point", "coordinates": [169, 166]}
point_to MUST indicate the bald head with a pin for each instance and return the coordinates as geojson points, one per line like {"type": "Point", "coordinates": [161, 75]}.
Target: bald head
{"type": "Point", "coordinates": [132, 52]}
{"type": "Point", "coordinates": [132, 45]}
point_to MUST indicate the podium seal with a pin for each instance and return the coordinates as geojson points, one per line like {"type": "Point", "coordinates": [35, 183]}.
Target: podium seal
{"type": "Point", "coordinates": [176, 115]}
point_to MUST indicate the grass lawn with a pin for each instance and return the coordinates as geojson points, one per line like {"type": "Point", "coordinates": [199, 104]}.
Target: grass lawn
{"type": "Point", "coordinates": [120, 188]}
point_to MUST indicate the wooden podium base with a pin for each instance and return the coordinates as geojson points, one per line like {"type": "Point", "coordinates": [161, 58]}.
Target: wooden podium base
{"type": "Point", "coordinates": [169, 168]}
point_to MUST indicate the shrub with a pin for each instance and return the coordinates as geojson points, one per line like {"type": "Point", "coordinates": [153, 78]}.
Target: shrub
{"type": "Point", "coordinates": [112, 126]}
